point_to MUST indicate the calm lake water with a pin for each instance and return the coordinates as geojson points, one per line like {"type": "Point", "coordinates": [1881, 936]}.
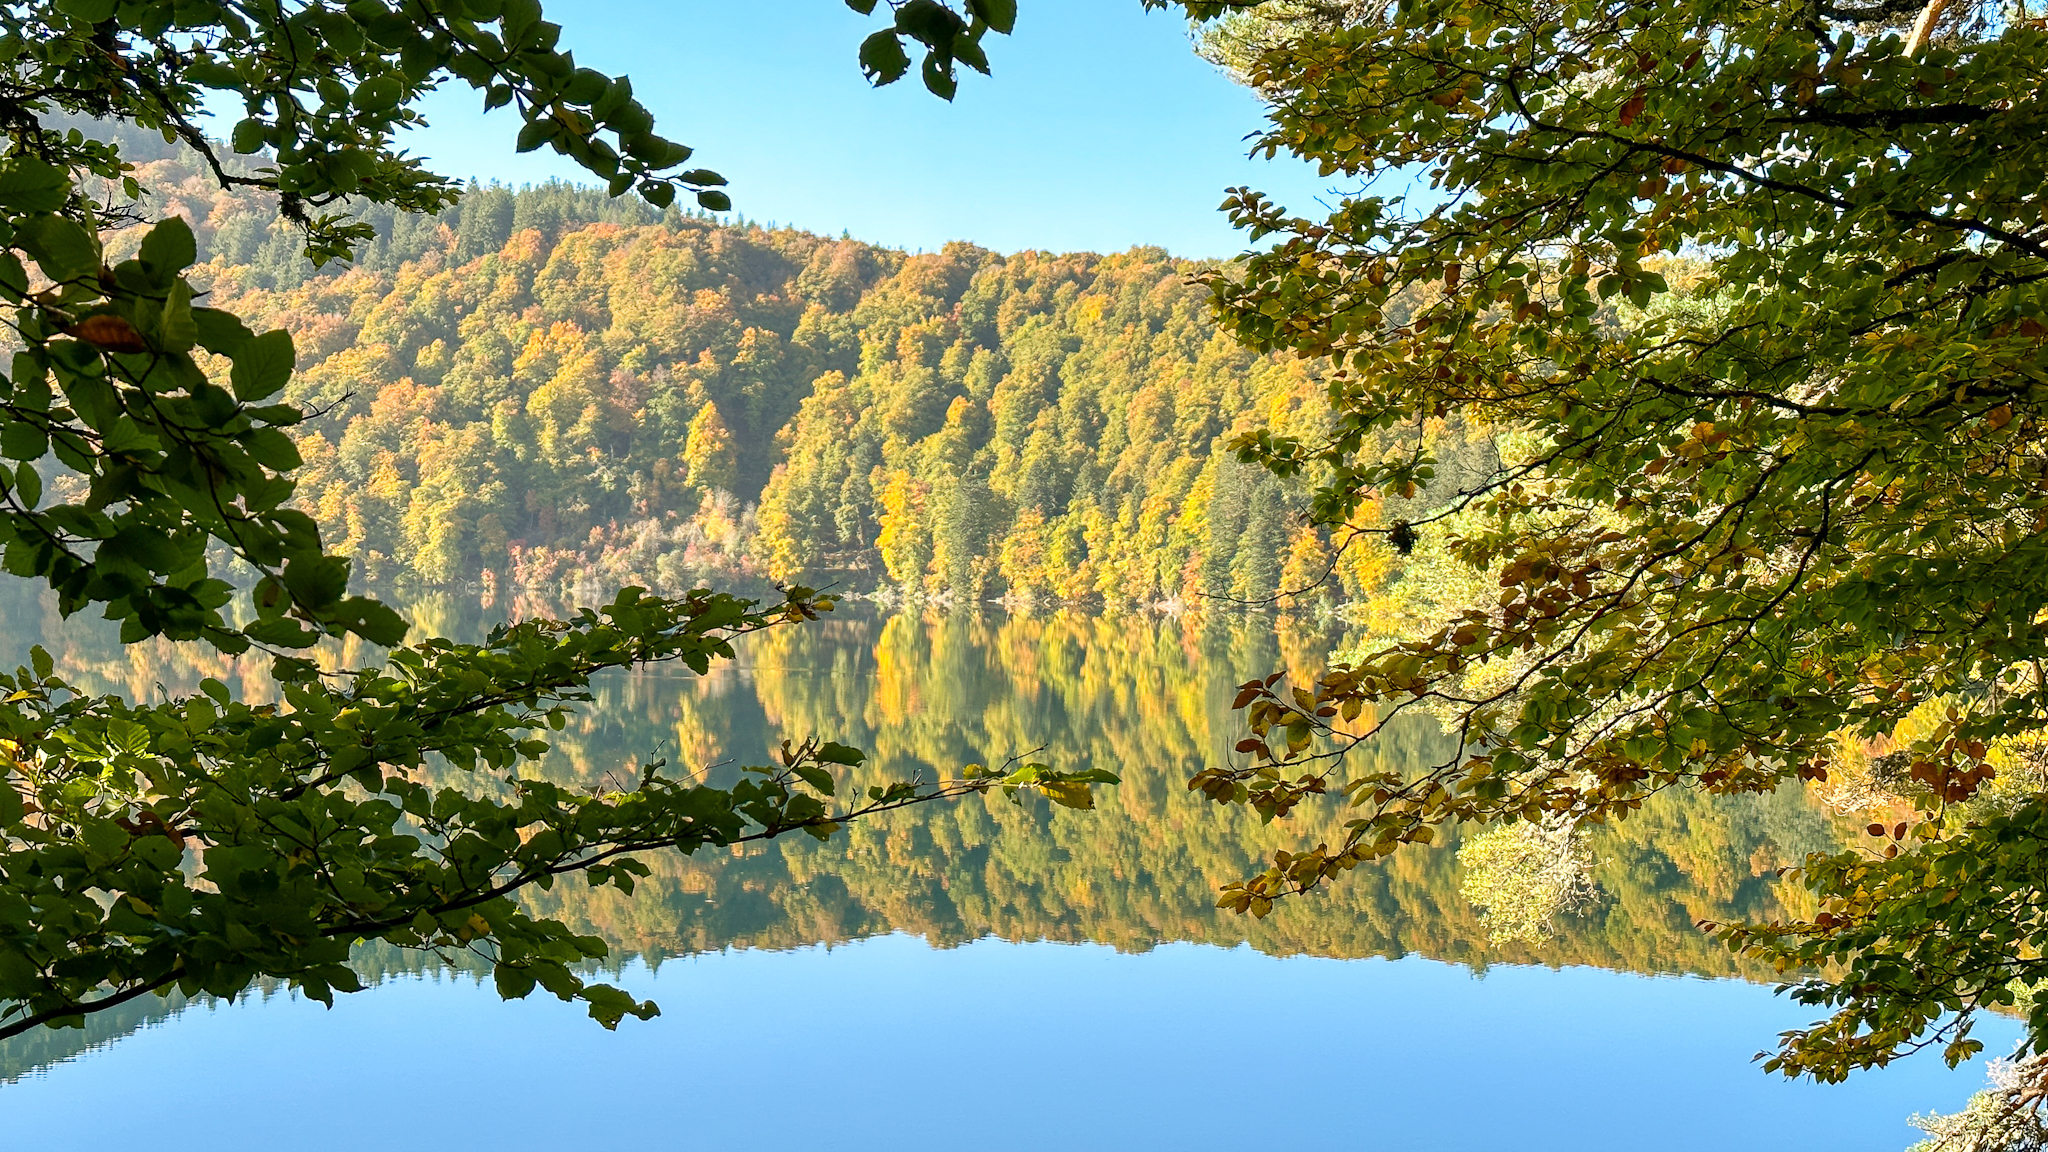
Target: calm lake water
{"type": "Point", "coordinates": [988, 975]}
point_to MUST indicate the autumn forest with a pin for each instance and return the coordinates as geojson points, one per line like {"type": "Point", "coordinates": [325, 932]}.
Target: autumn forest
{"type": "Point", "coordinates": [546, 388]}
{"type": "Point", "coordinates": [1588, 522]}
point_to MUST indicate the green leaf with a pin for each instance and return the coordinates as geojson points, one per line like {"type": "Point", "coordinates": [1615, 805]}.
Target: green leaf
{"type": "Point", "coordinates": [87, 11]}
{"type": "Point", "coordinates": [316, 582]}
{"type": "Point", "coordinates": [248, 137]}
{"type": "Point", "coordinates": [95, 401]}
{"type": "Point", "coordinates": [102, 838]}
{"type": "Point", "coordinates": [513, 983]}
{"type": "Point", "coordinates": [13, 278]}
{"type": "Point", "coordinates": [373, 621]}
{"type": "Point", "coordinates": [263, 365]}
{"type": "Point", "coordinates": [147, 547]}
{"type": "Point", "coordinates": [882, 58]}
{"type": "Point", "coordinates": [832, 753]}
{"type": "Point", "coordinates": [938, 76]}
{"type": "Point", "coordinates": [31, 185]}
{"type": "Point", "coordinates": [273, 449]}
{"type": "Point", "coordinates": [968, 52]}
{"type": "Point", "coordinates": [213, 73]}
{"type": "Point", "coordinates": [999, 15]}
{"type": "Point", "coordinates": [585, 86]}
{"type": "Point", "coordinates": [380, 93]}
{"type": "Point", "coordinates": [177, 330]}
{"type": "Point", "coordinates": [219, 331]}
{"type": "Point", "coordinates": [168, 250]}
{"type": "Point", "coordinates": [535, 134]}
{"type": "Point", "coordinates": [126, 735]}
{"type": "Point", "coordinates": [280, 632]}
{"type": "Point", "coordinates": [64, 250]}
{"type": "Point", "coordinates": [22, 440]}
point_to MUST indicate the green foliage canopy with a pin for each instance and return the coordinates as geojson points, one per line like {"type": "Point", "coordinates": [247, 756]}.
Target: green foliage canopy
{"type": "Point", "coordinates": [198, 844]}
{"type": "Point", "coordinates": [1733, 533]}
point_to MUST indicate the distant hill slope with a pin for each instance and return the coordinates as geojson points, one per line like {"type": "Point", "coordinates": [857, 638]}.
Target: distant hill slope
{"type": "Point", "coordinates": [552, 387]}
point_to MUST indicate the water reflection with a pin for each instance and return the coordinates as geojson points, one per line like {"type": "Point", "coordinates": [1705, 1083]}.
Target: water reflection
{"type": "Point", "coordinates": [1144, 695]}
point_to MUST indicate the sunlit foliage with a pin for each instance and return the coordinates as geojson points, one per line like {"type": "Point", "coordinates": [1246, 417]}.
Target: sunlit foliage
{"type": "Point", "coordinates": [203, 842]}
{"type": "Point", "coordinates": [1788, 503]}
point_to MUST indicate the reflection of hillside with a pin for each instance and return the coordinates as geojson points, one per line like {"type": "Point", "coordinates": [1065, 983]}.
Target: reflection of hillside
{"type": "Point", "coordinates": [38, 1051]}
{"type": "Point", "coordinates": [1147, 697]}
{"type": "Point", "coordinates": [1143, 695]}
{"type": "Point", "coordinates": [33, 1052]}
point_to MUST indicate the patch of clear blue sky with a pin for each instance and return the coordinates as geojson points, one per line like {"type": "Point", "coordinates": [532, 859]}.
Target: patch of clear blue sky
{"type": "Point", "coordinates": [1100, 130]}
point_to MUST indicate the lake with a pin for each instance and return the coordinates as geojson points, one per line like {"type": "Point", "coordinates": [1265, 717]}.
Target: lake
{"type": "Point", "coordinates": [990, 975]}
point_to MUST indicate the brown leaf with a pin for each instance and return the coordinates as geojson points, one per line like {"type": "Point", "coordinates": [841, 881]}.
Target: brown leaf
{"type": "Point", "coordinates": [109, 332]}
{"type": "Point", "coordinates": [1632, 109]}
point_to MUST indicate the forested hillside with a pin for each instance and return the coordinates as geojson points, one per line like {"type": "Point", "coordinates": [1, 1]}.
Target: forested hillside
{"type": "Point", "coordinates": [547, 387]}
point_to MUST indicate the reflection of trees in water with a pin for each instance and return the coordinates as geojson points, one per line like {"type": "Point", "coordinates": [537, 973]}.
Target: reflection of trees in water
{"type": "Point", "coordinates": [1146, 696]}
{"type": "Point", "coordinates": [1527, 878]}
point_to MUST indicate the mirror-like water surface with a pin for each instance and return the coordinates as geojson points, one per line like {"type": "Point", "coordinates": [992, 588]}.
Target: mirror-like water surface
{"type": "Point", "coordinates": [990, 975]}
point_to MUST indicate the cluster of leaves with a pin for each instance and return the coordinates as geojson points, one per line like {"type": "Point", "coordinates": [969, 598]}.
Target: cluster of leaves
{"type": "Point", "coordinates": [202, 843]}
{"type": "Point", "coordinates": [326, 86]}
{"type": "Point", "coordinates": [1727, 535]}
{"type": "Point", "coordinates": [948, 37]}
{"type": "Point", "coordinates": [166, 460]}
{"type": "Point", "coordinates": [951, 35]}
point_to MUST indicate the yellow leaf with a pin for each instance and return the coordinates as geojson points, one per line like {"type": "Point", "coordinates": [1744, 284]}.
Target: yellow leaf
{"type": "Point", "coordinates": [1068, 794]}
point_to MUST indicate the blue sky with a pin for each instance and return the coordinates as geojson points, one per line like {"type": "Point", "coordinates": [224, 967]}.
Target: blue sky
{"type": "Point", "coordinates": [1100, 129]}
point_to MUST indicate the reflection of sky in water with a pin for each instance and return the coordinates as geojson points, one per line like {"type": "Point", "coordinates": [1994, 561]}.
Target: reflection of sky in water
{"type": "Point", "coordinates": [887, 1044]}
